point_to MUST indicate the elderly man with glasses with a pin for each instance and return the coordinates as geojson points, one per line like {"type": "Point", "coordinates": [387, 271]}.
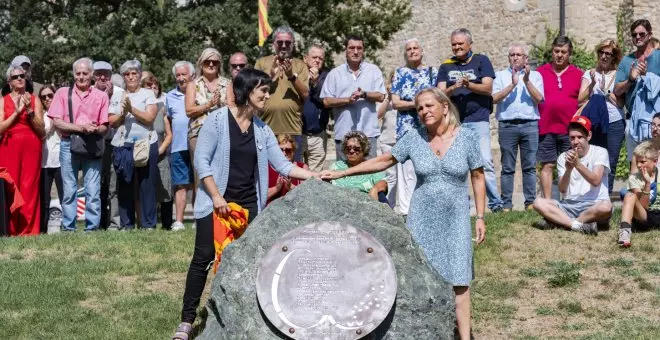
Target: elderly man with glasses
{"type": "Point", "coordinates": [517, 91]}
{"type": "Point", "coordinates": [283, 110]}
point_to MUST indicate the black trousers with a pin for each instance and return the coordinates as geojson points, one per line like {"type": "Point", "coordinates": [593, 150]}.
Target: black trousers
{"type": "Point", "coordinates": [48, 176]}
{"type": "Point", "coordinates": [201, 263]}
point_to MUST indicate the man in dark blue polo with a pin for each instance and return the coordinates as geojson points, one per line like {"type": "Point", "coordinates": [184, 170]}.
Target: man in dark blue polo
{"type": "Point", "coordinates": [315, 115]}
{"type": "Point", "coordinates": [467, 79]}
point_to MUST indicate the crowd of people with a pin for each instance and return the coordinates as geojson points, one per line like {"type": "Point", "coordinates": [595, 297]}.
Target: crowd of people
{"type": "Point", "coordinates": [410, 140]}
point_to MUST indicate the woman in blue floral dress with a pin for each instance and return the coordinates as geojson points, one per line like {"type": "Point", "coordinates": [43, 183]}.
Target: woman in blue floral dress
{"type": "Point", "coordinates": [407, 82]}
{"type": "Point", "coordinates": [444, 154]}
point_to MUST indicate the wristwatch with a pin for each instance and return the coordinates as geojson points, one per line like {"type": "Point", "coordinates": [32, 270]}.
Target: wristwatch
{"type": "Point", "coordinates": [364, 94]}
{"type": "Point", "coordinates": [480, 217]}
{"type": "Point", "coordinates": [293, 77]}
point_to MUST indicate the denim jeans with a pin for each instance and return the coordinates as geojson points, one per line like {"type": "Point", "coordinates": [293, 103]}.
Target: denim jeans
{"type": "Point", "coordinates": [70, 165]}
{"type": "Point", "coordinates": [615, 133]}
{"type": "Point", "coordinates": [483, 130]}
{"type": "Point", "coordinates": [526, 137]}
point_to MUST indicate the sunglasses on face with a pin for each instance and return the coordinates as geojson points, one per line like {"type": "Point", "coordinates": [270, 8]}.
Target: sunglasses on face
{"type": "Point", "coordinates": [639, 34]}
{"type": "Point", "coordinates": [211, 62]}
{"type": "Point", "coordinates": [607, 54]}
{"type": "Point", "coordinates": [353, 148]}
{"type": "Point", "coordinates": [287, 150]}
{"type": "Point", "coordinates": [18, 76]}
{"type": "Point", "coordinates": [46, 96]}
{"type": "Point", "coordinates": [286, 43]}
{"type": "Point", "coordinates": [237, 66]}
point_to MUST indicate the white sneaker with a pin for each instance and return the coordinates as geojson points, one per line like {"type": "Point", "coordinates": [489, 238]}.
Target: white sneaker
{"type": "Point", "coordinates": [176, 226]}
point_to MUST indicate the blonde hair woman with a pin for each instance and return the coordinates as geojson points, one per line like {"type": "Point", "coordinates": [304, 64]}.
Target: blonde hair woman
{"type": "Point", "coordinates": [209, 91]}
{"type": "Point", "coordinates": [444, 154]}
{"type": "Point", "coordinates": [600, 81]}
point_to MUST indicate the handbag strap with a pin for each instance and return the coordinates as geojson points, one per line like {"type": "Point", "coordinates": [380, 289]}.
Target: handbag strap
{"type": "Point", "coordinates": [70, 105]}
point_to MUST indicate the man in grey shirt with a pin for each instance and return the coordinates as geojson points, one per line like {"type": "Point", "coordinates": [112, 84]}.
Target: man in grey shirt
{"type": "Point", "coordinates": [352, 91]}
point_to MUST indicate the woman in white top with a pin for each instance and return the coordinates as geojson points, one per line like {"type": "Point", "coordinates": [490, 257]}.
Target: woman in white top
{"type": "Point", "coordinates": [600, 81]}
{"type": "Point", "coordinates": [50, 159]}
{"type": "Point", "coordinates": [134, 127]}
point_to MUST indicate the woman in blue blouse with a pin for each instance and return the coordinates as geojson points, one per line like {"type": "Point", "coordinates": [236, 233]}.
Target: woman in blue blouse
{"type": "Point", "coordinates": [233, 151]}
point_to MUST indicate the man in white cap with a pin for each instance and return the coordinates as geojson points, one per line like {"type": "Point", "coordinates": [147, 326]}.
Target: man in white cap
{"type": "Point", "coordinates": [30, 86]}
{"type": "Point", "coordinates": [109, 203]}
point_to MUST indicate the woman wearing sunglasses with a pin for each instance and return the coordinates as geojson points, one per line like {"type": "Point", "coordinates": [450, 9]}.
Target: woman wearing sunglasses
{"type": "Point", "coordinates": [203, 95]}
{"type": "Point", "coordinates": [600, 81]}
{"type": "Point", "coordinates": [356, 148]}
{"type": "Point", "coordinates": [21, 130]}
{"type": "Point", "coordinates": [279, 185]}
{"type": "Point", "coordinates": [50, 158]}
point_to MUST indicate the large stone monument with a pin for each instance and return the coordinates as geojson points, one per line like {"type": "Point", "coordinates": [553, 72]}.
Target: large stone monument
{"type": "Point", "coordinates": [313, 303]}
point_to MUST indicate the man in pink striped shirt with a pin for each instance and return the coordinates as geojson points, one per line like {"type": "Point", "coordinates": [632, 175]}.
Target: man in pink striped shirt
{"type": "Point", "coordinates": [90, 116]}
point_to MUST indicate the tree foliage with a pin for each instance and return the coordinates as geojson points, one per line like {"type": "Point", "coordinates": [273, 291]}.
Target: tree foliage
{"type": "Point", "coordinates": [55, 33]}
{"type": "Point", "coordinates": [581, 57]}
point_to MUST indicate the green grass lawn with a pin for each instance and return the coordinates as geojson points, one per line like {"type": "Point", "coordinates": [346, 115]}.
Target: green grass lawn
{"type": "Point", "coordinates": [529, 284]}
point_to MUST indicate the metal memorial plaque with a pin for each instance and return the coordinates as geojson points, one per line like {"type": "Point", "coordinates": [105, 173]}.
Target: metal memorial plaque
{"type": "Point", "coordinates": [326, 281]}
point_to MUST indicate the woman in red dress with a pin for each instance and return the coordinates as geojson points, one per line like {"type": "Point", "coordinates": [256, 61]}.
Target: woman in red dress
{"type": "Point", "coordinates": [21, 130]}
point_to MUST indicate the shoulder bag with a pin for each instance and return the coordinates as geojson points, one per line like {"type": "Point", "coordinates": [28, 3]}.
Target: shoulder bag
{"type": "Point", "coordinates": [82, 145]}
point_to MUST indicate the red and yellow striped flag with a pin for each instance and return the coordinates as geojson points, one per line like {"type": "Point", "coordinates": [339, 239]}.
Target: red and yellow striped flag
{"type": "Point", "coordinates": [264, 27]}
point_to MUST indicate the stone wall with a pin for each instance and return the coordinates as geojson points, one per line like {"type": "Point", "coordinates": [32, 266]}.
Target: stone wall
{"type": "Point", "coordinates": [495, 24]}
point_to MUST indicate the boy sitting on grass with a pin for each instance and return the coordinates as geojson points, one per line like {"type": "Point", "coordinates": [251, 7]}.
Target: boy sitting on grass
{"type": "Point", "coordinates": [583, 172]}
{"type": "Point", "coordinates": [640, 208]}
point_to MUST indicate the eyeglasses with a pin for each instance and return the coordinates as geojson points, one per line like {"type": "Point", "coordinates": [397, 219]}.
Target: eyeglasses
{"type": "Point", "coordinates": [237, 66]}
{"type": "Point", "coordinates": [47, 96]}
{"type": "Point", "coordinates": [281, 43]}
{"type": "Point", "coordinates": [639, 34]}
{"type": "Point", "coordinates": [607, 54]}
{"type": "Point", "coordinates": [211, 62]}
{"type": "Point", "coordinates": [353, 148]}
{"type": "Point", "coordinates": [287, 150]}
{"type": "Point", "coordinates": [17, 76]}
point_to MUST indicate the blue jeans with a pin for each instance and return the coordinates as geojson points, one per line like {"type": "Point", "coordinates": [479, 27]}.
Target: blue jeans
{"type": "Point", "coordinates": [91, 168]}
{"type": "Point", "coordinates": [483, 130]}
{"type": "Point", "coordinates": [615, 133]}
{"type": "Point", "coordinates": [526, 137]}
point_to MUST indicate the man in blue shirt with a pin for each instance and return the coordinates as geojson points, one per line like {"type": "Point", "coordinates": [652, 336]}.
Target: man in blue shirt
{"type": "Point", "coordinates": [467, 79]}
{"type": "Point", "coordinates": [645, 59]}
{"type": "Point", "coordinates": [181, 167]}
{"type": "Point", "coordinates": [315, 115]}
{"type": "Point", "coordinates": [352, 91]}
{"type": "Point", "coordinates": [517, 91]}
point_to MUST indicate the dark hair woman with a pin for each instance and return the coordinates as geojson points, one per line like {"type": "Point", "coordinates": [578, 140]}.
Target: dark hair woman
{"type": "Point", "coordinates": [233, 152]}
{"type": "Point", "coordinates": [50, 159]}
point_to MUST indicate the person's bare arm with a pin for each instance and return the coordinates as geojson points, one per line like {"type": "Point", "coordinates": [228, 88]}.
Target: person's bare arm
{"type": "Point", "coordinates": [594, 177]}
{"type": "Point", "coordinates": [374, 96]}
{"type": "Point", "coordinates": [478, 179]}
{"type": "Point", "coordinates": [535, 93]}
{"type": "Point", "coordinates": [485, 88]}
{"type": "Point", "coordinates": [586, 89]}
{"type": "Point", "coordinates": [67, 127]}
{"type": "Point", "coordinates": [147, 116]}
{"type": "Point", "coordinates": [167, 140]}
{"type": "Point", "coordinates": [380, 163]}
{"type": "Point", "coordinates": [380, 186]}
{"type": "Point", "coordinates": [301, 173]}
{"type": "Point", "coordinates": [193, 110]}
{"type": "Point", "coordinates": [6, 123]}
{"type": "Point", "coordinates": [37, 119]}
{"type": "Point", "coordinates": [499, 96]}
{"type": "Point", "coordinates": [400, 104]}
{"type": "Point", "coordinates": [337, 102]}
{"type": "Point", "coordinates": [565, 180]}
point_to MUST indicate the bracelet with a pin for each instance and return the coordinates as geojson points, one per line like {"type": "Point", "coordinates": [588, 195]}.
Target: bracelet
{"type": "Point", "coordinates": [645, 192]}
{"type": "Point", "coordinates": [480, 217]}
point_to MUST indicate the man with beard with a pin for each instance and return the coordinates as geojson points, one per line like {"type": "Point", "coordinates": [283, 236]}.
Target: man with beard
{"type": "Point", "coordinates": [583, 171]}
{"type": "Point", "coordinates": [283, 109]}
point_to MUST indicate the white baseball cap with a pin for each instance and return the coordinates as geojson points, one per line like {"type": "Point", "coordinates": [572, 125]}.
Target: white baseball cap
{"type": "Point", "coordinates": [20, 60]}
{"type": "Point", "coordinates": [102, 65]}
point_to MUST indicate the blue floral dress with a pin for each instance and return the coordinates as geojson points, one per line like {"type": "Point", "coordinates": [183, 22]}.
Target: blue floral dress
{"type": "Point", "coordinates": [439, 216]}
{"type": "Point", "coordinates": [407, 82]}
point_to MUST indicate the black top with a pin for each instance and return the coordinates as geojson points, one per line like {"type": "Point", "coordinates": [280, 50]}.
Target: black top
{"type": "Point", "coordinates": [315, 116]}
{"type": "Point", "coordinates": [242, 182]}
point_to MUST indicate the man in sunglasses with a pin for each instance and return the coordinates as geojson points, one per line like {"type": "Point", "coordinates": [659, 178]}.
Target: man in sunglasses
{"type": "Point", "coordinates": [632, 68]}
{"type": "Point", "coordinates": [237, 62]}
{"type": "Point", "coordinates": [283, 110]}
{"type": "Point", "coordinates": [30, 86]}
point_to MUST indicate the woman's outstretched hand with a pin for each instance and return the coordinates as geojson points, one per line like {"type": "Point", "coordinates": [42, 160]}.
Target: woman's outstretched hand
{"type": "Point", "coordinates": [328, 175]}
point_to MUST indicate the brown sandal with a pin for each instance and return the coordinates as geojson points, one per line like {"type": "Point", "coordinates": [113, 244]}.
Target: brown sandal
{"type": "Point", "coordinates": [183, 332]}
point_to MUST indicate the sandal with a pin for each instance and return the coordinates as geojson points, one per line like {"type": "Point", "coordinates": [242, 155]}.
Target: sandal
{"type": "Point", "coordinates": [183, 332]}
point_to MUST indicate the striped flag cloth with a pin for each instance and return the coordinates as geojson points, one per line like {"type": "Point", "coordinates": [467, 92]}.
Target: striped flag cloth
{"type": "Point", "coordinates": [264, 27]}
